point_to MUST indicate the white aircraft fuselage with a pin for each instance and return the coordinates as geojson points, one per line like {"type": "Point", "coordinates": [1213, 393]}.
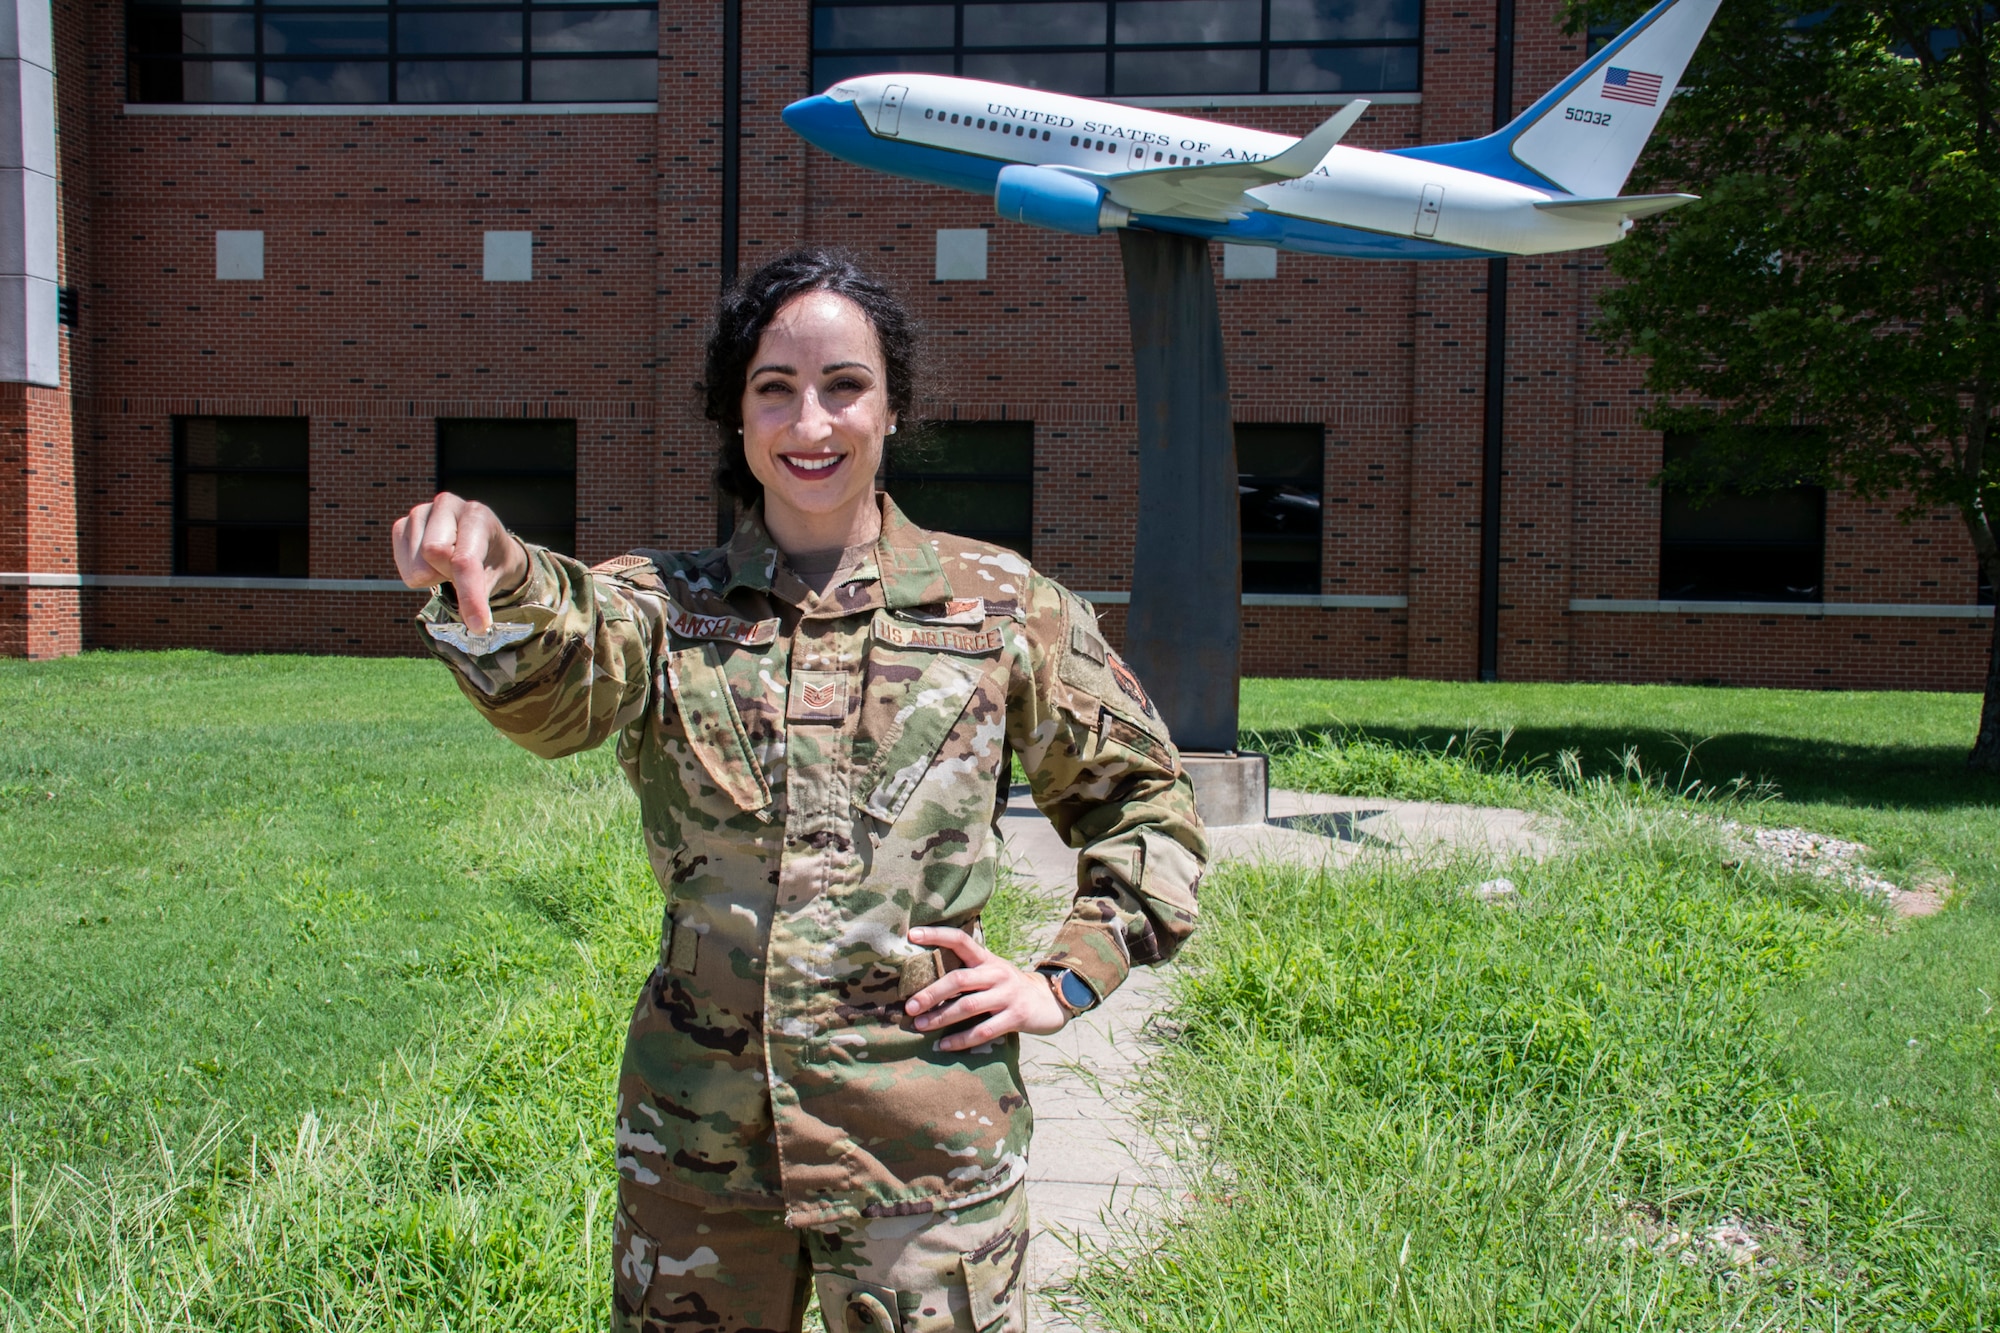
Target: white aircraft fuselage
{"type": "Point", "coordinates": [1546, 183]}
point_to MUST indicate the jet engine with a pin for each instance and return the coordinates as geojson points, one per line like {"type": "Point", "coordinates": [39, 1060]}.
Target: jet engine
{"type": "Point", "coordinates": [1056, 201]}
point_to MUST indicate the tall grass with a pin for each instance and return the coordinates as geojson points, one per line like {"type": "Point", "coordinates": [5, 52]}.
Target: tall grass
{"type": "Point", "coordinates": [478, 1198]}
{"type": "Point", "coordinates": [1419, 1110]}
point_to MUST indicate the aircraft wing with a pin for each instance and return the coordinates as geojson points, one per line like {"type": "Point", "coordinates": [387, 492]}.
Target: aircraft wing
{"type": "Point", "coordinates": [1610, 210]}
{"type": "Point", "coordinates": [1214, 191]}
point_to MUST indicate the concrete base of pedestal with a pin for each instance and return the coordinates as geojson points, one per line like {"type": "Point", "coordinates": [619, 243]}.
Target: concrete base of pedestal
{"type": "Point", "coordinates": [1229, 789]}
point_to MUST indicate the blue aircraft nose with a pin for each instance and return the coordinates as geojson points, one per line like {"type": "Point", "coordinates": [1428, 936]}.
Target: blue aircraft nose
{"type": "Point", "coordinates": [818, 119]}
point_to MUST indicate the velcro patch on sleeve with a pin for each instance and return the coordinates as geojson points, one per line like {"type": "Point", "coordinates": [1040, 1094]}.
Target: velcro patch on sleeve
{"type": "Point", "coordinates": [935, 637]}
{"type": "Point", "coordinates": [731, 629]}
{"type": "Point", "coordinates": [619, 564]}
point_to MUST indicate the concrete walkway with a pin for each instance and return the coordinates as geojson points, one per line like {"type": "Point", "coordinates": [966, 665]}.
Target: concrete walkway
{"type": "Point", "coordinates": [1093, 1162]}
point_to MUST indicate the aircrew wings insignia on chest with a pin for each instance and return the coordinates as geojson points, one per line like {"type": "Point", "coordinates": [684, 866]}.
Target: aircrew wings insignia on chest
{"type": "Point", "coordinates": [731, 629]}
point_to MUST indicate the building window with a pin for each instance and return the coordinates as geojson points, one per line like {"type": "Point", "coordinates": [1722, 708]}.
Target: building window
{"type": "Point", "coordinates": [523, 469]}
{"type": "Point", "coordinates": [1280, 478]}
{"type": "Point", "coordinates": [391, 51]}
{"type": "Point", "coordinates": [1130, 48]}
{"type": "Point", "coordinates": [969, 478]}
{"type": "Point", "coordinates": [1763, 545]}
{"type": "Point", "coordinates": [241, 500]}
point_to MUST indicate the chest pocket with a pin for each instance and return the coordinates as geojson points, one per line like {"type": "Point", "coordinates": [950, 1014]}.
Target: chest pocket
{"type": "Point", "coordinates": [714, 728]}
{"type": "Point", "coordinates": [927, 715]}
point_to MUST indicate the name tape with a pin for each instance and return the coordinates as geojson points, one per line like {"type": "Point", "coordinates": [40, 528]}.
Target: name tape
{"type": "Point", "coordinates": [730, 629]}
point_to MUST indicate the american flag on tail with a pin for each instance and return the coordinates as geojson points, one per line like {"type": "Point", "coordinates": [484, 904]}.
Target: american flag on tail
{"type": "Point", "coordinates": [1629, 85]}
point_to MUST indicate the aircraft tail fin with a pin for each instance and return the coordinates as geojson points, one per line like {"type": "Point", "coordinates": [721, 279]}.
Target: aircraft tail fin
{"type": "Point", "coordinates": [1584, 134]}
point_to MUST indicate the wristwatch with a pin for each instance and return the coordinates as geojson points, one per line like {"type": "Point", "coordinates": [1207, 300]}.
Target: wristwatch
{"type": "Point", "coordinates": [1071, 991]}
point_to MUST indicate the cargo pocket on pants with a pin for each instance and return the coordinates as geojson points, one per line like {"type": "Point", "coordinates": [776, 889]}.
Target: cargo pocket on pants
{"type": "Point", "coordinates": [995, 1290]}
{"type": "Point", "coordinates": [634, 1259]}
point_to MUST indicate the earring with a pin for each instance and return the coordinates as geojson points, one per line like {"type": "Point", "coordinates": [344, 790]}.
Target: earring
{"type": "Point", "coordinates": [891, 430]}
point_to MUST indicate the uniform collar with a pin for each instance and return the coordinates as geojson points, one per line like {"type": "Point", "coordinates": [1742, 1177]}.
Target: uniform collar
{"type": "Point", "coordinates": [906, 571]}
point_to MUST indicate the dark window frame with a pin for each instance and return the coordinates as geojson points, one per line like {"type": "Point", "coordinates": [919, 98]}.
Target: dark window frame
{"type": "Point", "coordinates": [1111, 48]}
{"type": "Point", "coordinates": [159, 17]}
{"type": "Point", "coordinates": [915, 465]}
{"type": "Point", "coordinates": [1262, 582]}
{"type": "Point", "coordinates": [1735, 567]}
{"type": "Point", "coordinates": [448, 478]}
{"type": "Point", "coordinates": [184, 523]}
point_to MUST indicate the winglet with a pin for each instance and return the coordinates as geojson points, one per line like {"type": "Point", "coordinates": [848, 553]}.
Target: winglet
{"type": "Point", "coordinates": [1310, 151]}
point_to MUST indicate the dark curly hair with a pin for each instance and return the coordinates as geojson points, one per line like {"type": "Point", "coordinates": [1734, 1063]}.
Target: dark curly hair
{"type": "Point", "coordinates": [746, 310]}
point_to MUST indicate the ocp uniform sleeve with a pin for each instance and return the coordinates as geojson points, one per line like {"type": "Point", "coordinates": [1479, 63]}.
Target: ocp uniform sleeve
{"type": "Point", "coordinates": [1104, 770]}
{"type": "Point", "coordinates": [585, 672]}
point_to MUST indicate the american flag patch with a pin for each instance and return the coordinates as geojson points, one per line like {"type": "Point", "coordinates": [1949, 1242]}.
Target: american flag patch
{"type": "Point", "coordinates": [1629, 85]}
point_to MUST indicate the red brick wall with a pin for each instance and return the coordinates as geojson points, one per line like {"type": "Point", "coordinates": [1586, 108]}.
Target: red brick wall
{"type": "Point", "coordinates": [372, 319]}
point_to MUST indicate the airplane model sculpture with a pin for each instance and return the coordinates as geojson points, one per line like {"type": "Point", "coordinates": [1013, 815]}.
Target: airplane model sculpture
{"type": "Point", "coordinates": [1546, 182]}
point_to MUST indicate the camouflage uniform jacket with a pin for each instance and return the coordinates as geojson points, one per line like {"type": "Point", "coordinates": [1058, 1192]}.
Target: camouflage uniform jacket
{"type": "Point", "coordinates": [817, 774]}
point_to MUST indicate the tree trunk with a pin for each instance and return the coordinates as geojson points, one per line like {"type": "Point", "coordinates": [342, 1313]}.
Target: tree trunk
{"type": "Point", "coordinates": [1985, 756]}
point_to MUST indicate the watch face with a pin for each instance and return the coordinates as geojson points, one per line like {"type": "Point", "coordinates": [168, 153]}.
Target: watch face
{"type": "Point", "coordinates": [1078, 995]}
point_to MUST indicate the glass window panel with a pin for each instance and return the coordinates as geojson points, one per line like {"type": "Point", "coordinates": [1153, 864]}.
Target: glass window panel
{"type": "Point", "coordinates": [862, 26]}
{"type": "Point", "coordinates": [1034, 25]}
{"type": "Point", "coordinates": [522, 501]}
{"type": "Point", "coordinates": [458, 34]}
{"type": "Point", "coordinates": [1189, 21]}
{"type": "Point", "coordinates": [972, 478]}
{"type": "Point", "coordinates": [1081, 72]}
{"type": "Point", "coordinates": [1343, 20]}
{"type": "Point", "coordinates": [635, 80]}
{"type": "Point", "coordinates": [505, 445]}
{"type": "Point", "coordinates": [153, 32]}
{"type": "Point", "coordinates": [969, 448]}
{"type": "Point", "coordinates": [244, 442]}
{"type": "Point", "coordinates": [347, 81]}
{"type": "Point", "coordinates": [218, 34]}
{"type": "Point", "coordinates": [257, 497]}
{"type": "Point", "coordinates": [195, 81]}
{"type": "Point", "coordinates": [1365, 69]}
{"type": "Point", "coordinates": [1770, 516]}
{"type": "Point", "coordinates": [343, 3]}
{"type": "Point", "coordinates": [1160, 73]}
{"type": "Point", "coordinates": [326, 35]}
{"type": "Point", "coordinates": [459, 81]}
{"type": "Point", "coordinates": [1280, 476]}
{"type": "Point", "coordinates": [597, 30]}
{"type": "Point", "coordinates": [829, 70]}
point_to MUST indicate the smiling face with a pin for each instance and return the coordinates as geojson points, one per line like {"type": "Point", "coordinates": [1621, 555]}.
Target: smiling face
{"type": "Point", "coordinates": [815, 409]}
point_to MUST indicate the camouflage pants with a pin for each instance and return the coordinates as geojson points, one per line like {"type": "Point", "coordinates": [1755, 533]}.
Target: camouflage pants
{"type": "Point", "coordinates": [679, 1266]}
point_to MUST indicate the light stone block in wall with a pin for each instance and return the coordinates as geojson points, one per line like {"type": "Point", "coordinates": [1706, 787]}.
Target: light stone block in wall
{"type": "Point", "coordinates": [27, 224]}
{"type": "Point", "coordinates": [961, 254]}
{"type": "Point", "coordinates": [239, 256]}
{"type": "Point", "coordinates": [27, 117]}
{"type": "Point", "coordinates": [30, 346]}
{"type": "Point", "coordinates": [1244, 263]}
{"type": "Point", "coordinates": [30, 339]}
{"type": "Point", "coordinates": [510, 256]}
{"type": "Point", "coordinates": [26, 32]}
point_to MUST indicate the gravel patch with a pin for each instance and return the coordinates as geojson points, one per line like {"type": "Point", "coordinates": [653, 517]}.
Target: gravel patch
{"type": "Point", "coordinates": [1803, 852]}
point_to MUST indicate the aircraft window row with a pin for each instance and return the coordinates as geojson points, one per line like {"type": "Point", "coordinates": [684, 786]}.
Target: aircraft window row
{"type": "Point", "coordinates": [1004, 127]}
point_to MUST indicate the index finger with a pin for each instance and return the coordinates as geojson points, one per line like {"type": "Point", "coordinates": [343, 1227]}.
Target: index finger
{"type": "Point", "coordinates": [970, 950]}
{"type": "Point", "coordinates": [471, 578]}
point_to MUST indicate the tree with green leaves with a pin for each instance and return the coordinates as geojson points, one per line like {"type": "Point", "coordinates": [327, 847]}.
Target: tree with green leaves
{"type": "Point", "coordinates": [1830, 311]}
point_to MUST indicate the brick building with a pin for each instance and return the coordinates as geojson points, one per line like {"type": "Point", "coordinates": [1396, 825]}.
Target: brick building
{"type": "Point", "coordinates": [275, 272]}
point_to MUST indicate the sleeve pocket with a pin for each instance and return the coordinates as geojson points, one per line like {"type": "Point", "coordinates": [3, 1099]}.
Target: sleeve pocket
{"type": "Point", "coordinates": [995, 1281]}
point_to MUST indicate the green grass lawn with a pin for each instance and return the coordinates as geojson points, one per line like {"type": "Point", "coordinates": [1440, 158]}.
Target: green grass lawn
{"type": "Point", "coordinates": [1432, 1112]}
{"type": "Point", "coordinates": [319, 987]}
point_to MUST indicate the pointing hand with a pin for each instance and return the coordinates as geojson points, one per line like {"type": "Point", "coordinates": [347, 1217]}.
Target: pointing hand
{"type": "Point", "coordinates": [464, 542]}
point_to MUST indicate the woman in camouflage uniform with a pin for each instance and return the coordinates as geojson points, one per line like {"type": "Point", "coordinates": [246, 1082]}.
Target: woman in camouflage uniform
{"type": "Point", "coordinates": [821, 1079]}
